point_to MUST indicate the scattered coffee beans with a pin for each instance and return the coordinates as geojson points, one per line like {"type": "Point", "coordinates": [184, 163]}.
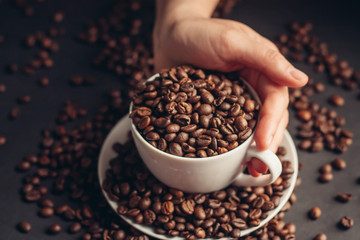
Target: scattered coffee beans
{"type": "Point", "coordinates": [315, 213]}
{"type": "Point", "coordinates": [346, 222]}
{"type": "Point", "coordinates": [24, 226]}
{"type": "Point", "coordinates": [188, 112]}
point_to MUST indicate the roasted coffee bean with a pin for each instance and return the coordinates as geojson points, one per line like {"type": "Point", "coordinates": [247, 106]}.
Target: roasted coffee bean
{"type": "Point", "coordinates": [315, 213]}
{"type": "Point", "coordinates": [24, 226]}
{"type": "Point", "coordinates": [337, 100]}
{"type": "Point", "coordinates": [203, 141]}
{"type": "Point", "coordinates": [205, 109]}
{"type": "Point", "coordinates": [339, 164]}
{"type": "Point", "coordinates": [326, 168]}
{"type": "Point", "coordinates": [46, 212]}
{"type": "Point", "coordinates": [343, 197]}
{"type": "Point", "coordinates": [346, 222]}
{"type": "Point", "coordinates": [173, 128]}
{"type": "Point", "coordinates": [320, 236]}
{"type": "Point", "coordinates": [326, 177]}
{"type": "Point", "coordinates": [75, 227]}
{"type": "Point", "coordinates": [54, 229]}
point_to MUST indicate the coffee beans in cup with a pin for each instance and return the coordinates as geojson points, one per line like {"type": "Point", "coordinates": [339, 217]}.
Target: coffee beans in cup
{"type": "Point", "coordinates": [193, 113]}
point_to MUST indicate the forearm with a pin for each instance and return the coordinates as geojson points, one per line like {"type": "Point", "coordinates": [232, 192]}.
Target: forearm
{"type": "Point", "coordinates": [168, 12]}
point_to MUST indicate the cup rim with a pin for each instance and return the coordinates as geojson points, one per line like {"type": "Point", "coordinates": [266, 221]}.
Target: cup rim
{"type": "Point", "coordinates": [136, 132]}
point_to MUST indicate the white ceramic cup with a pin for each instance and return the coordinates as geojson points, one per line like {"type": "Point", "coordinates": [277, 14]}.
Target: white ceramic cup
{"type": "Point", "coordinates": [210, 173]}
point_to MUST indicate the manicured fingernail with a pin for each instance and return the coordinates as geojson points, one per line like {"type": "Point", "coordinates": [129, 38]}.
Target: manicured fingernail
{"type": "Point", "coordinates": [298, 75]}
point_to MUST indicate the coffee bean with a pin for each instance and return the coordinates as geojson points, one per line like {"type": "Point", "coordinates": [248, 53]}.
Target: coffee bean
{"type": "Point", "coordinates": [167, 208]}
{"type": "Point", "coordinates": [44, 81]}
{"type": "Point", "coordinates": [54, 228]}
{"type": "Point", "coordinates": [200, 233]}
{"type": "Point", "coordinates": [46, 212]}
{"type": "Point", "coordinates": [205, 109]}
{"type": "Point", "coordinates": [14, 113]}
{"type": "Point", "coordinates": [314, 213]}
{"type": "Point", "coordinates": [326, 177]}
{"type": "Point", "coordinates": [337, 100]}
{"type": "Point", "coordinates": [320, 236]}
{"type": "Point", "coordinates": [24, 226]}
{"type": "Point", "coordinates": [343, 197]}
{"type": "Point", "coordinates": [75, 227]}
{"type": "Point", "coordinates": [304, 115]}
{"type": "Point", "coordinates": [326, 168]}
{"type": "Point", "coordinates": [2, 88]}
{"type": "Point", "coordinates": [346, 222]}
{"type": "Point", "coordinates": [339, 164]}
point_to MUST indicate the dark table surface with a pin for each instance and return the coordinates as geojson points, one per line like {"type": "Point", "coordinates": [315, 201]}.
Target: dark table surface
{"type": "Point", "coordinates": [336, 23]}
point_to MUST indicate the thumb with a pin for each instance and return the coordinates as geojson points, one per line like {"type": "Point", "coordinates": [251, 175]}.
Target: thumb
{"type": "Point", "coordinates": [265, 58]}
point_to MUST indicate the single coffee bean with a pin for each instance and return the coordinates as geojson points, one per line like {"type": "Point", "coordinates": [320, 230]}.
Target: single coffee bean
{"type": "Point", "coordinates": [205, 109]}
{"type": "Point", "coordinates": [326, 168]}
{"type": "Point", "coordinates": [337, 100]}
{"type": "Point", "coordinates": [315, 213]}
{"type": "Point", "coordinates": [47, 212]}
{"type": "Point", "coordinates": [75, 227]}
{"type": "Point", "coordinates": [200, 233]}
{"type": "Point", "coordinates": [343, 197]}
{"type": "Point", "coordinates": [320, 236]}
{"type": "Point", "coordinates": [54, 228]}
{"type": "Point", "coordinates": [339, 164]}
{"type": "Point", "coordinates": [304, 115]}
{"type": "Point", "coordinates": [24, 226]}
{"type": "Point", "coordinates": [326, 177]}
{"type": "Point", "coordinates": [346, 222]}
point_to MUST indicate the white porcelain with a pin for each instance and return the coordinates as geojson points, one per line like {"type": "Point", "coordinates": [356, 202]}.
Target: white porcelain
{"type": "Point", "coordinates": [119, 134]}
{"type": "Point", "coordinates": [211, 173]}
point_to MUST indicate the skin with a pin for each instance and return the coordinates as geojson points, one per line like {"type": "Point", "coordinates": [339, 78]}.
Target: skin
{"type": "Point", "coordinates": [185, 33]}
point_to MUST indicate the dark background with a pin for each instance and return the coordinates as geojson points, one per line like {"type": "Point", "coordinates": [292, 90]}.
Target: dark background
{"type": "Point", "coordinates": [336, 23]}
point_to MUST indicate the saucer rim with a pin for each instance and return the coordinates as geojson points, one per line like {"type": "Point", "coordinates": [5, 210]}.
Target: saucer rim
{"type": "Point", "coordinates": [102, 167]}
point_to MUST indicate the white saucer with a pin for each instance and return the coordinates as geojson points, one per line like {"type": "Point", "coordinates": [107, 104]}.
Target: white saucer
{"type": "Point", "coordinates": [119, 134]}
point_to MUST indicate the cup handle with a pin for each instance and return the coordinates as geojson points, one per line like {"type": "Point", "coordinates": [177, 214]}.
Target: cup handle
{"type": "Point", "coordinates": [267, 157]}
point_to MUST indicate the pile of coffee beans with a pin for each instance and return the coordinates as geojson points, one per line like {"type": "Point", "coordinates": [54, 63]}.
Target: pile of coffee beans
{"type": "Point", "coordinates": [188, 112]}
{"type": "Point", "coordinates": [223, 213]}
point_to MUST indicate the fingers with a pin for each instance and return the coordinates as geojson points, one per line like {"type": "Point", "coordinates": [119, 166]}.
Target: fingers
{"type": "Point", "coordinates": [279, 134]}
{"type": "Point", "coordinates": [262, 56]}
{"type": "Point", "coordinates": [257, 166]}
{"type": "Point", "coordinates": [273, 110]}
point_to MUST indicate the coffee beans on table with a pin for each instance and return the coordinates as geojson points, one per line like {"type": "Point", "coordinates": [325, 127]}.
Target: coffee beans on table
{"type": "Point", "coordinates": [191, 113]}
{"type": "Point", "coordinates": [315, 213]}
{"type": "Point", "coordinates": [24, 226]}
{"type": "Point", "coordinates": [227, 212]}
{"type": "Point", "coordinates": [321, 236]}
{"type": "Point", "coordinates": [343, 197]}
{"type": "Point", "coordinates": [346, 222]}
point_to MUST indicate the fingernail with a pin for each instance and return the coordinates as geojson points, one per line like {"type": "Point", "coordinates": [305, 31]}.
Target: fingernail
{"type": "Point", "coordinates": [298, 75]}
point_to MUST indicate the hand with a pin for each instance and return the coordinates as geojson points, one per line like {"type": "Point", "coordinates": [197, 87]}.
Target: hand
{"type": "Point", "coordinates": [227, 45]}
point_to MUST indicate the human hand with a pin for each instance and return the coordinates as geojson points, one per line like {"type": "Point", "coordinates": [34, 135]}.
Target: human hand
{"type": "Point", "coordinates": [226, 46]}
